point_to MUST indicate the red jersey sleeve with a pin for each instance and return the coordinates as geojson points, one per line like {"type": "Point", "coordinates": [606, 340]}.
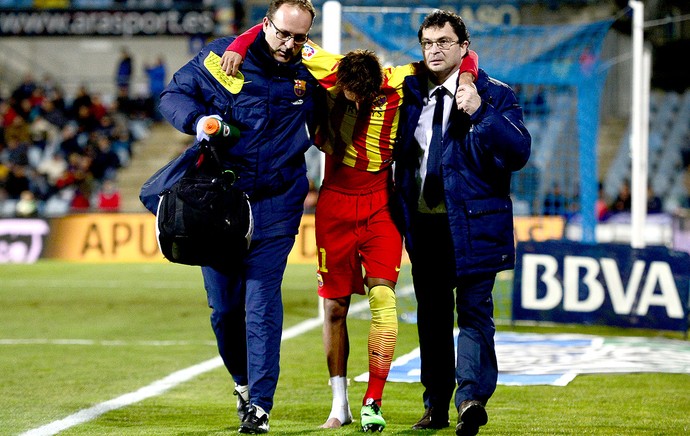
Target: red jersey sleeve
{"type": "Point", "coordinates": [469, 64]}
{"type": "Point", "coordinates": [241, 44]}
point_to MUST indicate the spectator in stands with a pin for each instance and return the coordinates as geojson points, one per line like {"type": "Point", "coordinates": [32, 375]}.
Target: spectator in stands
{"type": "Point", "coordinates": [104, 161]}
{"type": "Point", "coordinates": [123, 74]}
{"type": "Point", "coordinates": [80, 201]}
{"type": "Point", "coordinates": [27, 206]}
{"type": "Point", "coordinates": [26, 110]}
{"type": "Point", "coordinates": [122, 144]}
{"type": "Point", "coordinates": [601, 206]}
{"type": "Point", "coordinates": [622, 202]}
{"type": "Point", "coordinates": [52, 168]}
{"type": "Point", "coordinates": [458, 222]}
{"type": "Point", "coordinates": [41, 130]}
{"type": "Point", "coordinates": [156, 73]}
{"type": "Point", "coordinates": [17, 130]}
{"type": "Point", "coordinates": [57, 96]}
{"type": "Point", "coordinates": [17, 181]}
{"type": "Point", "coordinates": [16, 152]}
{"type": "Point", "coordinates": [124, 104]}
{"type": "Point", "coordinates": [81, 98]}
{"type": "Point", "coordinates": [85, 121]}
{"type": "Point", "coordinates": [106, 125]}
{"type": "Point", "coordinates": [78, 179]}
{"type": "Point", "coordinates": [52, 113]}
{"type": "Point", "coordinates": [25, 88]}
{"type": "Point", "coordinates": [36, 98]}
{"type": "Point", "coordinates": [554, 202]}
{"type": "Point", "coordinates": [68, 142]}
{"type": "Point", "coordinates": [109, 197]}
{"type": "Point", "coordinates": [654, 202]}
{"type": "Point", "coordinates": [98, 107]}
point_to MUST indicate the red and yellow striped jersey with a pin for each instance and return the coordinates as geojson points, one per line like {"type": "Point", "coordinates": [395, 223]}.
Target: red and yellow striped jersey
{"type": "Point", "coordinates": [362, 139]}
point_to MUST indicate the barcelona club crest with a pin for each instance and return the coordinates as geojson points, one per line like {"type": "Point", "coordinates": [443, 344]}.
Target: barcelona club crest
{"type": "Point", "coordinates": [300, 88]}
{"type": "Point", "coordinates": [380, 101]}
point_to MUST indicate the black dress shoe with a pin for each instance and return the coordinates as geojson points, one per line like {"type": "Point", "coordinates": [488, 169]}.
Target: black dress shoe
{"type": "Point", "coordinates": [471, 416]}
{"type": "Point", "coordinates": [432, 420]}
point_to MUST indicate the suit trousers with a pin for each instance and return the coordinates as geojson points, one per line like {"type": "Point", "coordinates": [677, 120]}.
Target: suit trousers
{"type": "Point", "coordinates": [247, 315]}
{"type": "Point", "coordinates": [441, 294]}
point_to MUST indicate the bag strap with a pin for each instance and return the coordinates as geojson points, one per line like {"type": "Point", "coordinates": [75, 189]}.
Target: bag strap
{"type": "Point", "coordinates": [209, 162]}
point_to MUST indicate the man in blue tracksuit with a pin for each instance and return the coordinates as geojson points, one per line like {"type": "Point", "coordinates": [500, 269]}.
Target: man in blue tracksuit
{"type": "Point", "coordinates": [274, 103]}
{"type": "Point", "coordinates": [458, 217]}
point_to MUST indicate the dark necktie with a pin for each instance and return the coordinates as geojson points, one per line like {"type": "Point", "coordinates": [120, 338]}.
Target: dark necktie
{"type": "Point", "coordinates": [433, 183]}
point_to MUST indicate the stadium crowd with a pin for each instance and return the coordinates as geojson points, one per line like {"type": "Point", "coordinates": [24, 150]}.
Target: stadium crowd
{"type": "Point", "coordinates": [60, 153]}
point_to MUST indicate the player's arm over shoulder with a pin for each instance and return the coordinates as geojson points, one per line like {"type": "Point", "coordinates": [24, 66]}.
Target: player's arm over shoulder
{"type": "Point", "coordinates": [322, 64]}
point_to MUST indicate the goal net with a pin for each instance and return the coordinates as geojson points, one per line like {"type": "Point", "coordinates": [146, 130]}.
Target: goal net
{"type": "Point", "coordinates": [557, 73]}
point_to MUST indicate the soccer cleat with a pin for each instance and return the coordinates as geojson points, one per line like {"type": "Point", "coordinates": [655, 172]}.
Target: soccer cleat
{"type": "Point", "coordinates": [372, 419]}
{"type": "Point", "coordinates": [242, 393]}
{"type": "Point", "coordinates": [255, 422]}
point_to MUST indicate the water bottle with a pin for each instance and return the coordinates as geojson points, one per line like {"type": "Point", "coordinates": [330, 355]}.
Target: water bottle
{"type": "Point", "coordinates": [215, 127]}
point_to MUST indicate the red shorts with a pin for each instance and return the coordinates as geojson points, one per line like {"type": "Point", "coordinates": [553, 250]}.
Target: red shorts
{"type": "Point", "coordinates": [354, 231]}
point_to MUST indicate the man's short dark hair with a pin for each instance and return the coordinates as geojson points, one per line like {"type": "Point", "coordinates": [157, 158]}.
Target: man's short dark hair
{"type": "Point", "coordinates": [439, 18]}
{"type": "Point", "coordinates": [359, 72]}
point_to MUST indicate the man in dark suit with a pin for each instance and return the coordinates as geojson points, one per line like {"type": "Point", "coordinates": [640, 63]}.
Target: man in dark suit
{"type": "Point", "coordinates": [453, 170]}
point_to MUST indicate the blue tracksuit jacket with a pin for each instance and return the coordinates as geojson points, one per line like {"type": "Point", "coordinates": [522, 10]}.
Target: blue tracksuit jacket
{"type": "Point", "coordinates": [480, 153]}
{"type": "Point", "coordinates": [274, 110]}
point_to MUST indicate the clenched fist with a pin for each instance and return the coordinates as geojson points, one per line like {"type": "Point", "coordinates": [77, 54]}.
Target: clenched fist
{"type": "Point", "coordinates": [467, 98]}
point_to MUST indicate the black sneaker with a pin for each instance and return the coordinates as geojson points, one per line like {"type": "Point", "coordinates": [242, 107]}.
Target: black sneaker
{"type": "Point", "coordinates": [242, 393]}
{"type": "Point", "coordinates": [255, 421]}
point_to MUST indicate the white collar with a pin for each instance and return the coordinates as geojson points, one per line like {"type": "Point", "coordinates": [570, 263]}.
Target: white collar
{"type": "Point", "coordinates": [451, 84]}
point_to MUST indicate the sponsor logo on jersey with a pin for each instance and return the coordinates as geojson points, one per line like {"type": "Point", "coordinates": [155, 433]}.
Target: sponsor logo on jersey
{"type": "Point", "coordinates": [308, 52]}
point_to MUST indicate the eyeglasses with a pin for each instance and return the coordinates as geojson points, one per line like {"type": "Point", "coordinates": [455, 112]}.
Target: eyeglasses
{"type": "Point", "coordinates": [286, 36]}
{"type": "Point", "coordinates": [442, 44]}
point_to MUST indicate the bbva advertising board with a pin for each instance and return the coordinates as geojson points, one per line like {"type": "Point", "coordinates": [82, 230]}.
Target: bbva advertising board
{"type": "Point", "coordinates": [603, 284]}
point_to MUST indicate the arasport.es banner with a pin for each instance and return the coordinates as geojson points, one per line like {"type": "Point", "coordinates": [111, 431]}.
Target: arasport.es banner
{"type": "Point", "coordinates": [106, 23]}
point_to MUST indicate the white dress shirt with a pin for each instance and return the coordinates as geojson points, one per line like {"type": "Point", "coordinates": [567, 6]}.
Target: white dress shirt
{"type": "Point", "coordinates": [424, 126]}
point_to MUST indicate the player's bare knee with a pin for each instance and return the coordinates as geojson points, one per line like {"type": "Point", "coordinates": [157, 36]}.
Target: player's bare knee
{"type": "Point", "coordinates": [335, 309]}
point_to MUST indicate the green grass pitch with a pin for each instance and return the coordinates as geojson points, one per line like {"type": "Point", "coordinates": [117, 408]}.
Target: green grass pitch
{"type": "Point", "coordinates": [73, 336]}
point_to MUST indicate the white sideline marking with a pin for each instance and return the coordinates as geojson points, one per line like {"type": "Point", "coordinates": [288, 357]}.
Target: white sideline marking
{"type": "Point", "coordinates": [166, 383]}
{"type": "Point", "coordinates": [155, 388]}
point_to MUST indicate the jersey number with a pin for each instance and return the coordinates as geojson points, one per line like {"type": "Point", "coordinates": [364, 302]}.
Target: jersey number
{"type": "Point", "coordinates": [322, 260]}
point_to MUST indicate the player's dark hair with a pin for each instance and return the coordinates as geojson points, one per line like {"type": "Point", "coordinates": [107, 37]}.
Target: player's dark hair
{"type": "Point", "coordinates": [359, 72]}
{"type": "Point", "coordinates": [439, 18]}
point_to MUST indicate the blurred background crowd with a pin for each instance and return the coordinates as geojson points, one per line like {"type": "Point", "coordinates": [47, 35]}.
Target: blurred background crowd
{"type": "Point", "coordinates": [61, 153]}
